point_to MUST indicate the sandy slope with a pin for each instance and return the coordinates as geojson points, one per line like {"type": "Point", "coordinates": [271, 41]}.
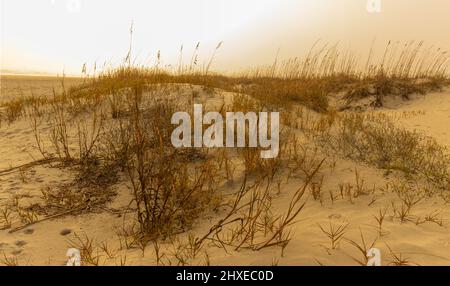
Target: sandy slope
{"type": "Point", "coordinates": [16, 86]}
{"type": "Point", "coordinates": [431, 114]}
{"type": "Point", "coordinates": [425, 244]}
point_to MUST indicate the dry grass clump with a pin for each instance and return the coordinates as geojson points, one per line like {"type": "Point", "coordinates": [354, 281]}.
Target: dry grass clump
{"type": "Point", "coordinates": [382, 86]}
{"type": "Point", "coordinates": [73, 198]}
{"type": "Point", "coordinates": [6, 215]}
{"type": "Point", "coordinates": [375, 140]}
{"type": "Point", "coordinates": [250, 223]}
{"type": "Point", "coordinates": [251, 156]}
{"type": "Point", "coordinates": [399, 61]}
{"type": "Point", "coordinates": [12, 110]}
{"type": "Point", "coordinates": [402, 70]}
{"type": "Point", "coordinates": [283, 92]}
{"type": "Point", "coordinates": [88, 251]}
{"type": "Point", "coordinates": [169, 186]}
{"type": "Point", "coordinates": [16, 210]}
{"type": "Point", "coordinates": [301, 157]}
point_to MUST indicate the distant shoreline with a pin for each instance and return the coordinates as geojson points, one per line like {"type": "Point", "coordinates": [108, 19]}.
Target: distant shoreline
{"type": "Point", "coordinates": [36, 75]}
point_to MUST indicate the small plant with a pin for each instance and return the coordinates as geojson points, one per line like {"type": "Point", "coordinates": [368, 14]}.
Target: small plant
{"type": "Point", "coordinates": [158, 254]}
{"type": "Point", "coordinates": [316, 191]}
{"type": "Point", "coordinates": [207, 259]}
{"type": "Point", "coordinates": [275, 261]}
{"type": "Point", "coordinates": [401, 212]}
{"type": "Point", "coordinates": [6, 216]}
{"type": "Point", "coordinates": [87, 248]}
{"type": "Point", "coordinates": [122, 260]}
{"type": "Point", "coordinates": [346, 191]}
{"type": "Point", "coordinates": [9, 261]}
{"type": "Point", "coordinates": [359, 185]}
{"type": "Point", "coordinates": [363, 248]}
{"type": "Point", "coordinates": [59, 134]}
{"type": "Point", "coordinates": [398, 259]}
{"type": "Point", "coordinates": [380, 220]}
{"type": "Point", "coordinates": [432, 217]}
{"type": "Point", "coordinates": [142, 245]}
{"type": "Point", "coordinates": [27, 216]}
{"type": "Point", "coordinates": [333, 197]}
{"type": "Point", "coordinates": [107, 250]}
{"type": "Point", "coordinates": [334, 233]}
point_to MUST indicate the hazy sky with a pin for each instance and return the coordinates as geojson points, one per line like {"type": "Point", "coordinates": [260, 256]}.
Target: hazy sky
{"type": "Point", "coordinates": [57, 35]}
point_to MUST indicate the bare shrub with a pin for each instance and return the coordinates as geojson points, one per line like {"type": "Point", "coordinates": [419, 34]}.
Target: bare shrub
{"type": "Point", "coordinates": [168, 191]}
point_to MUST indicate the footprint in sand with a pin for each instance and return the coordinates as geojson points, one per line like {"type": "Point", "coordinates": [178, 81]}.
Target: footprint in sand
{"type": "Point", "coordinates": [20, 243]}
{"type": "Point", "coordinates": [16, 252]}
{"type": "Point", "coordinates": [65, 232]}
{"type": "Point", "coordinates": [335, 216]}
{"type": "Point", "coordinates": [28, 231]}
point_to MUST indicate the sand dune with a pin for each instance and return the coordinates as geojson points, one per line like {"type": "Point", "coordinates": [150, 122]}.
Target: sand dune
{"type": "Point", "coordinates": [424, 243]}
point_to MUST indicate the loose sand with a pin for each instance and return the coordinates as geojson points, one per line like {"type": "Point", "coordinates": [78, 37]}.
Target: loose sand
{"type": "Point", "coordinates": [46, 243]}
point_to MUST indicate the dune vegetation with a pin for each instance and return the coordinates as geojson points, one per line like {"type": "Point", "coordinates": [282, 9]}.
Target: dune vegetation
{"type": "Point", "coordinates": [112, 135]}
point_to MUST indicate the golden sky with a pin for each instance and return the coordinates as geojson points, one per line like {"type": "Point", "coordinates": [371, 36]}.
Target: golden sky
{"type": "Point", "coordinates": [56, 35]}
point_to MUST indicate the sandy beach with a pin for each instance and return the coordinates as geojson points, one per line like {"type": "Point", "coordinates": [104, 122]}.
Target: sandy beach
{"type": "Point", "coordinates": [421, 239]}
